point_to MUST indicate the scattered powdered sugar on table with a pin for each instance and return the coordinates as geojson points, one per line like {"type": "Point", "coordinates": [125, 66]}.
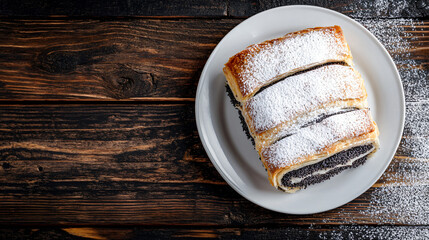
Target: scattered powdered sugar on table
{"type": "Point", "coordinates": [403, 204]}
{"type": "Point", "coordinates": [376, 232]}
{"type": "Point", "coordinates": [416, 131]}
{"type": "Point", "coordinates": [407, 201]}
{"type": "Point", "coordinates": [397, 39]}
{"type": "Point", "coordinates": [369, 9]}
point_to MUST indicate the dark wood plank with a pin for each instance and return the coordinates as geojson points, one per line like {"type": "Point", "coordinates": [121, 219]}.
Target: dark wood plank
{"type": "Point", "coordinates": [236, 8]}
{"type": "Point", "coordinates": [114, 8]}
{"type": "Point", "coordinates": [144, 164]}
{"type": "Point", "coordinates": [285, 232]}
{"type": "Point", "coordinates": [76, 59]}
{"type": "Point", "coordinates": [356, 9]}
{"type": "Point", "coordinates": [150, 59]}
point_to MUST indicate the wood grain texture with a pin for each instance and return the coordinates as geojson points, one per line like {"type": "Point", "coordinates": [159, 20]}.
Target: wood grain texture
{"type": "Point", "coordinates": [138, 59]}
{"type": "Point", "coordinates": [356, 9]}
{"type": "Point", "coordinates": [363, 232]}
{"type": "Point", "coordinates": [81, 59]}
{"type": "Point", "coordinates": [114, 8]}
{"type": "Point", "coordinates": [144, 164]}
{"type": "Point", "coordinates": [73, 157]}
{"type": "Point", "coordinates": [236, 8]}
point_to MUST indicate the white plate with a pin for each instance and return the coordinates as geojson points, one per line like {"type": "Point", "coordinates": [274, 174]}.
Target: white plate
{"type": "Point", "coordinates": [233, 154]}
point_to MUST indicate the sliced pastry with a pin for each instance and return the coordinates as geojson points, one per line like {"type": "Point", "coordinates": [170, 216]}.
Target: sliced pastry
{"type": "Point", "coordinates": [293, 102]}
{"type": "Point", "coordinates": [319, 151]}
{"type": "Point", "coordinates": [303, 105]}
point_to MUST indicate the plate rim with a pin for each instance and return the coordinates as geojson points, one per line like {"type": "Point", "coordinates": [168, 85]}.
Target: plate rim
{"type": "Point", "coordinates": [209, 150]}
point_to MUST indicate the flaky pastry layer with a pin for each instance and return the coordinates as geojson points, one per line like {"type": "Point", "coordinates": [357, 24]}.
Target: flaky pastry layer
{"type": "Point", "coordinates": [264, 63]}
{"type": "Point", "coordinates": [317, 142]}
{"type": "Point", "coordinates": [285, 104]}
{"type": "Point", "coordinates": [302, 102]}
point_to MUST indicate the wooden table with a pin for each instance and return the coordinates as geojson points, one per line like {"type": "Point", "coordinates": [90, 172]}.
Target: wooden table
{"type": "Point", "coordinates": [98, 137]}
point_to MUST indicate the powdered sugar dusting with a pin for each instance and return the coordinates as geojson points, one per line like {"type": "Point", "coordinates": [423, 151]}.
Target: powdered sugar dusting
{"type": "Point", "coordinates": [402, 193]}
{"type": "Point", "coordinates": [375, 232]}
{"type": "Point", "coordinates": [415, 142]}
{"type": "Point", "coordinates": [391, 205]}
{"type": "Point", "coordinates": [315, 138]}
{"type": "Point", "coordinates": [303, 93]}
{"type": "Point", "coordinates": [404, 198]}
{"type": "Point", "coordinates": [397, 39]}
{"type": "Point", "coordinates": [381, 8]}
{"type": "Point", "coordinates": [268, 60]}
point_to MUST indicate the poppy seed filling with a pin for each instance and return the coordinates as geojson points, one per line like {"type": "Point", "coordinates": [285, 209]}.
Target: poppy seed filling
{"type": "Point", "coordinates": [327, 168]}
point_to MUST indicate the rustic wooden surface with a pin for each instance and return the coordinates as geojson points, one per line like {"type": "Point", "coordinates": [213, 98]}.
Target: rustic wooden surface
{"type": "Point", "coordinates": [143, 59]}
{"type": "Point", "coordinates": [258, 233]}
{"type": "Point", "coordinates": [203, 8]}
{"type": "Point", "coordinates": [98, 137]}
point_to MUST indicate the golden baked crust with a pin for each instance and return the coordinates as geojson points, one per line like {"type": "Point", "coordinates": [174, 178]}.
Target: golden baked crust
{"type": "Point", "coordinates": [321, 45]}
{"type": "Point", "coordinates": [303, 119]}
{"type": "Point", "coordinates": [291, 102]}
{"type": "Point", "coordinates": [347, 130]}
{"type": "Point", "coordinates": [270, 136]}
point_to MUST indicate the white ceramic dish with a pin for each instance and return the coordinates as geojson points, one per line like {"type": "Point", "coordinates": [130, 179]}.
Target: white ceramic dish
{"type": "Point", "coordinates": [233, 154]}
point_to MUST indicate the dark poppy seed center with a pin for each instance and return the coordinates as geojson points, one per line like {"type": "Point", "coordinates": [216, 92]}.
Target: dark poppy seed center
{"type": "Point", "coordinates": [333, 163]}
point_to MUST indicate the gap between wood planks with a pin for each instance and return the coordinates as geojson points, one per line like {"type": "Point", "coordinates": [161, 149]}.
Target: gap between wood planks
{"type": "Point", "coordinates": [130, 18]}
{"type": "Point", "coordinates": [143, 100]}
